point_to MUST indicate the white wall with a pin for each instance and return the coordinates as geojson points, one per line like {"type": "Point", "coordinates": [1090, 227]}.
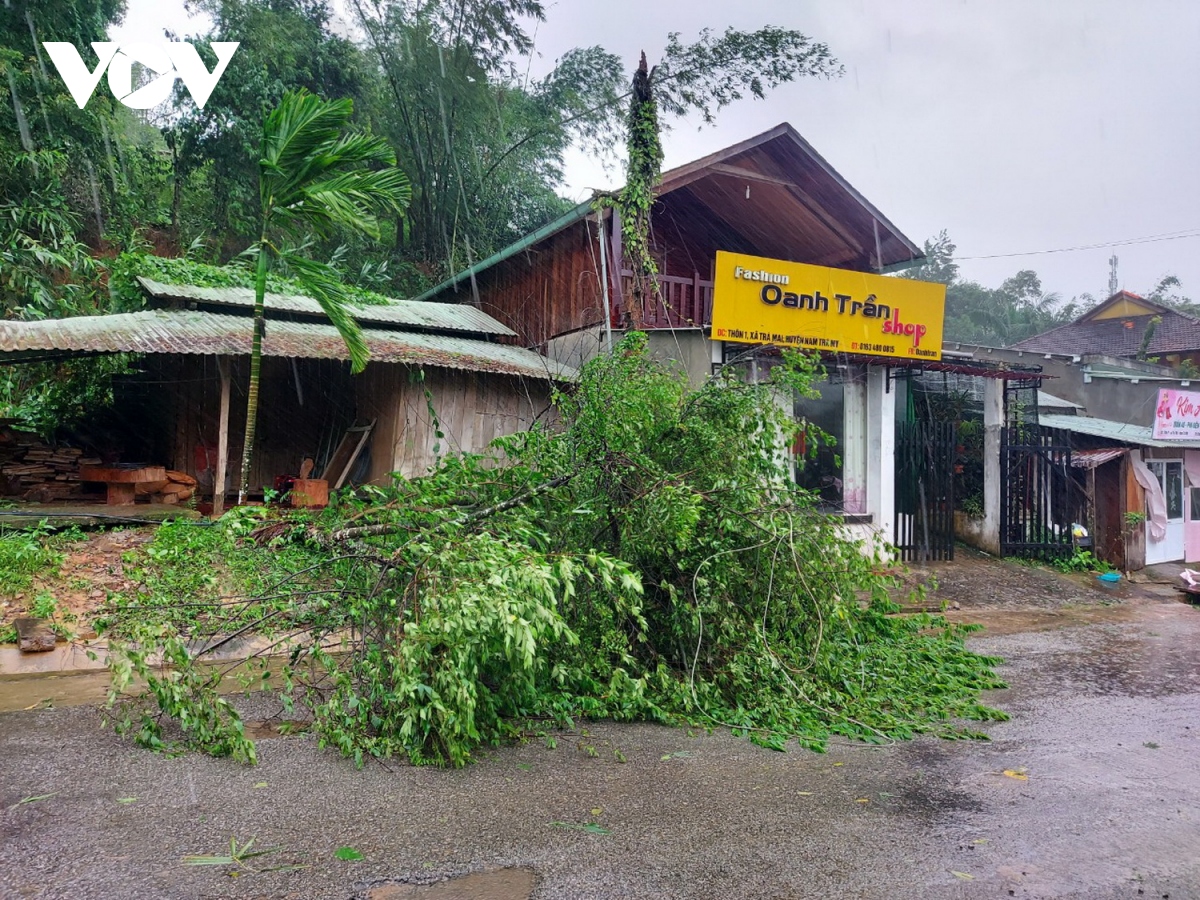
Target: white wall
{"type": "Point", "coordinates": [880, 429]}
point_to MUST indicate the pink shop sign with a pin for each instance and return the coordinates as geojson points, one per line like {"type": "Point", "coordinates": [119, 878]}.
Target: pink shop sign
{"type": "Point", "coordinates": [1177, 417]}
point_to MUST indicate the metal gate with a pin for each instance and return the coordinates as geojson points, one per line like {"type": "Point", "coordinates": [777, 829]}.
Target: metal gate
{"type": "Point", "coordinates": [925, 457]}
{"type": "Point", "coordinates": [1036, 499]}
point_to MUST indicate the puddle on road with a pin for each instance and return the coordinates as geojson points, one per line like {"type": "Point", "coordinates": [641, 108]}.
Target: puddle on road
{"type": "Point", "coordinates": [499, 884]}
{"type": "Point", "coordinates": [1132, 665]}
{"type": "Point", "coordinates": [89, 688]}
{"type": "Point", "coordinates": [49, 691]}
{"type": "Point", "coordinates": [1019, 621]}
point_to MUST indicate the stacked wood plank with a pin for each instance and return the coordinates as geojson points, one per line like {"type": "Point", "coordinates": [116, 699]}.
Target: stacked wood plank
{"type": "Point", "coordinates": [34, 470]}
{"type": "Point", "coordinates": [177, 488]}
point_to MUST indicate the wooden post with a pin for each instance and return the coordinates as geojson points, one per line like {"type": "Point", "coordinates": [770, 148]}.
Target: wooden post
{"type": "Point", "coordinates": [218, 506]}
{"type": "Point", "coordinates": [617, 266]}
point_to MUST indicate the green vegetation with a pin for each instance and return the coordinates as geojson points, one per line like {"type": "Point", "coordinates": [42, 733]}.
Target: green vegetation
{"type": "Point", "coordinates": [993, 317]}
{"type": "Point", "coordinates": [201, 579]}
{"type": "Point", "coordinates": [24, 554]}
{"type": "Point", "coordinates": [445, 84]}
{"type": "Point", "coordinates": [649, 559]}
{"type": "Point", "coordinates": [1081, 561]}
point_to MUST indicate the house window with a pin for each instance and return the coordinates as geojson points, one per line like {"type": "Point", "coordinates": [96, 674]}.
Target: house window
{"type": "Point", "coordinates": [837, 472]}
{"type": "Point", "coordinates": [819, 464]}
{"type": "Point", "coordinates": [1195, 505]}
{"type": "Point", "coordinates": [1170, 478]}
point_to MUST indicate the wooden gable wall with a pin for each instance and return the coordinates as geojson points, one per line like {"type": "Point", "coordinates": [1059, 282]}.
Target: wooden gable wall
{"type": "Point", "coordinates": [550, 289]}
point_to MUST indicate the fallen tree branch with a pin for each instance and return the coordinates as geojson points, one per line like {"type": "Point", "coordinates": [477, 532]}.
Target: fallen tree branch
{"type": "Point", "coordinates": [347, 534]}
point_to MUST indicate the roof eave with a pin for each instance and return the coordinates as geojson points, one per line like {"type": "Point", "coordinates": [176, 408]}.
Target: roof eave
{"type": "Point", "coordinates": [578, 214]}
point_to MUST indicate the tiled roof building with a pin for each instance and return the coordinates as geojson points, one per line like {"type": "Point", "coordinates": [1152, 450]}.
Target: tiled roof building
{"type": "Point", "coordinates": [1118, 327]}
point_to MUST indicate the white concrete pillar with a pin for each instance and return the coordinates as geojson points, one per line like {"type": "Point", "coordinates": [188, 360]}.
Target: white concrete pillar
{"type": "Point", "coordinates": [881, 453]}
{"type": "Point", "coordinates": [993, 422]}
{"type": "Point", "coordinates": [854, 441]}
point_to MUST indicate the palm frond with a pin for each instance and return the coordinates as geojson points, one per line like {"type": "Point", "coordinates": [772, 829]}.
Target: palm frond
{"type": "Point", "coordinates": [327, 289]}
{"type": "Point", "coordinates": [350, 199]}
{"type": "Point", "coordinates": [363, 148]}
{"type": "Point", "coordinates": [316, 174]}
{"type": "Point", "coordinates": [301, 123]}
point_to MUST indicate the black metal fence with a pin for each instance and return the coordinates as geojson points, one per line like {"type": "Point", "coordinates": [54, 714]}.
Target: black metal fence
{"type": "Point", "coordinates": [925, 458]}
{"type": "Point", "coordinates": [1037, 496]}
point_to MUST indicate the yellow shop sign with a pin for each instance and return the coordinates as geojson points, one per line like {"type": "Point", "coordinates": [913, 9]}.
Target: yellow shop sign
{"type": "Point", "coordinates": [768, 301]}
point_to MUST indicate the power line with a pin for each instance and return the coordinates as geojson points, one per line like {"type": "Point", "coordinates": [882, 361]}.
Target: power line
{"type": "Point", "coordinates": [1151, 239]}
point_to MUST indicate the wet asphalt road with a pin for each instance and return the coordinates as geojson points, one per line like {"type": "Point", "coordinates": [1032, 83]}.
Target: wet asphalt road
{"type": "Point", "coordinates": [1106, 728]}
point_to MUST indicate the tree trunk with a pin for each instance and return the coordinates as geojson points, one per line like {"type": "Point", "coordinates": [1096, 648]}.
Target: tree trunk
{"type": "Point", "coordinates": [637, 199]}
{"type": "Point", "coordinates": [260, 327]}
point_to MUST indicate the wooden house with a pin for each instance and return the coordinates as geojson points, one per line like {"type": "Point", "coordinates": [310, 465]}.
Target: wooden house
{"type": "Point", "coordinates": [772, 195]}
{"type": "Point", "coordinates": [439, 381]}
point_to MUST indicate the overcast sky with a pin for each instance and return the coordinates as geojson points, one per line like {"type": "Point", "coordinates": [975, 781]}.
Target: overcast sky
{"type": "Point", "coordinates": [1016, 125]}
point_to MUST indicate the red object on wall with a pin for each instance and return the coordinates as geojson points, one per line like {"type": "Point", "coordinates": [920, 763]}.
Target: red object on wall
{"type": "Point", "coordinates": [206, 458]}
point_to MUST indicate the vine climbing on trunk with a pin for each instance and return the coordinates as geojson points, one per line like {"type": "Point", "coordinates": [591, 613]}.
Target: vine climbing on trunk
{"type": "Point", "coordinates": [637, 199]}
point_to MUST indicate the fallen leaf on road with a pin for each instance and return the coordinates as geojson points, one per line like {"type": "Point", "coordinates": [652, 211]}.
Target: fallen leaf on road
{"type": "Point", "coordinates": [963, 875]}
{"type": "Point", "coordinates": [596, 810]}
{"type": "Point", "coordinates": [261, 784]}
{"type": "Point", "coordinates": [1018, 774]}
{"type": "Point", "coordinates": [589, 827]}
{"type": "Point", "coordinates": [349, 854]}
{"type": "Point", "coordinates": [862, 800]}
{"type": "Point", "coordinates": [35, 799]}
{"type": "Point", "coordinates": [127, 799]}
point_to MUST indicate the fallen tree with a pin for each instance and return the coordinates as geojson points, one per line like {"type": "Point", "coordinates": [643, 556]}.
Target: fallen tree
{"type": "Point", "coordinates": [648, 558]}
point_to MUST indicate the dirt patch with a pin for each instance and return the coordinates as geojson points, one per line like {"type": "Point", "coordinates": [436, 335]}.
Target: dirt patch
{"type": "Point", "coordinates": [92, 568]}
{"type": "Point", "coordinates": [974, 580]}
{"type": "Point", "coordinates": [1018, 621]}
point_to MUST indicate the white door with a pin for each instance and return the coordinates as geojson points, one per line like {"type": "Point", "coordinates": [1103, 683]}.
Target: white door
{"type": "Point", "coordinates": [1170, 477]}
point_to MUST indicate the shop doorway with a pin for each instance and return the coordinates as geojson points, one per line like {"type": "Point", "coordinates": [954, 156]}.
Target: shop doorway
{"type": "Point", "coordinates": [1170, 478]}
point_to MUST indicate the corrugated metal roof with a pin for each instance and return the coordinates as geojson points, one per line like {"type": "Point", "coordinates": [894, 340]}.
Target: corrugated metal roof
{"type": "Point", "coordinates": [1142, 435]}
{"type": "Point", "coordinates": [457, 317]}
{"type": "Point", "coordinates": [1049, 401]}
{"type": "Point", "coordinates": [194, 332]}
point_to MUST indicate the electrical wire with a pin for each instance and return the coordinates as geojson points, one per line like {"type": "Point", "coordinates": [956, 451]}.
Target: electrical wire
{"type": "Point", "coordinates": [1150, 239]}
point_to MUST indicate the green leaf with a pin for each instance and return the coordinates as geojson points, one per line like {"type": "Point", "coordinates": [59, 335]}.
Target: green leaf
{"type": "Point", "coordinates": [35, 799]}
{"type": "Point", "coordinates": [348, 853]}
{"type": "Point", "coordinates": [589, 827]}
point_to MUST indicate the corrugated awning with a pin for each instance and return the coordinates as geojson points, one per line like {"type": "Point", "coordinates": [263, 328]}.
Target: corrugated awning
{"type": "Point", "coordinates": [193, 332]}
{"type": "Point", "coordinates": [1142, 435]}
{"type": "Point", "coordinates": [1090, 459]}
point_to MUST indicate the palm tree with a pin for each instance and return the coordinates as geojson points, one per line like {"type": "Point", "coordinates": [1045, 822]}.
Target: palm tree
{"type": "Point", "coordinates": [315, 176]}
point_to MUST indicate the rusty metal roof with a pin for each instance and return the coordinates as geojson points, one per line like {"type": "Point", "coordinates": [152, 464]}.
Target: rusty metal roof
{"type": "Point", "coordinates": [457, 317]}
{"type": "Point", "coordinates": [194, 332]}
{"type": "Point", "coordinates": [1091, 459]}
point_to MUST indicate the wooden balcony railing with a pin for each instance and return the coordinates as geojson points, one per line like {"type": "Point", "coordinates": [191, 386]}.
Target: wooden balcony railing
{"type": "Point", "coordinates": [684, 302]}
